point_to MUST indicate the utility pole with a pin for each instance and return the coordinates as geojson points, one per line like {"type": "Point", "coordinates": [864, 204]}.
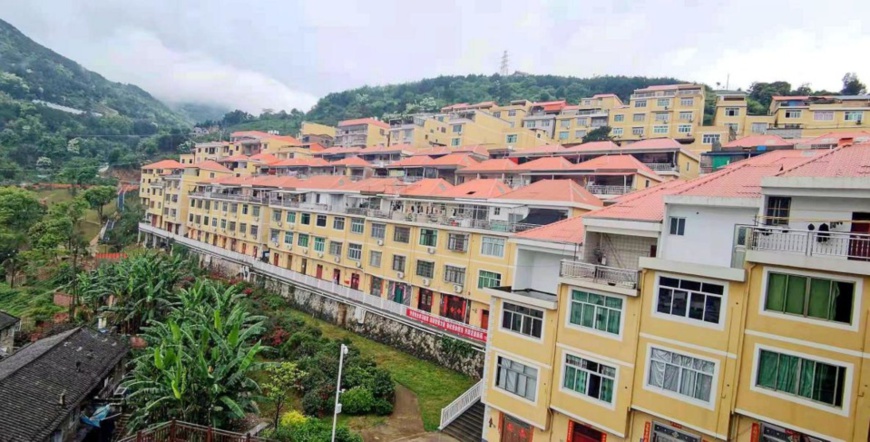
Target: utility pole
{"type": "Point", "coordinates": [504, 64]}
{"type": "Point", "coordinates": [337, 408]}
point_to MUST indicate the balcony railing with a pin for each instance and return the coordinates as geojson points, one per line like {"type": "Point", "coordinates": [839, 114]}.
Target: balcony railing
{"type": "Point", "coordinates": [661, 167]}
{"type": "Point", "coordinates": [228, 197]}
{"type": "Point", "coordinates": [597, 189]}
{"type": "Point", "coordinates": [598, 273]}
{"type": "Point", "coordinates": [462, 403]}
{"type": "Point", "coordinates": [843, 245]}
{"type": "Point", "coordinates": [174, 431]}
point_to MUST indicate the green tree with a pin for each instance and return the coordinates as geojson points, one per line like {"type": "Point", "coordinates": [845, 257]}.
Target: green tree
{"type": "Point", "coordinates": [763, 92]}
{"type": "Point", "coordinates": [852, 85]}
{"type": "Point", "coordinates": [78, 172]}
{"type": "Point", "coordinates": [598, 134]}
{"type": "Point", "coordinates": [283, 382]}
{"type": "Point", "coordinates": [19, 210]}
{"type": "Point", "coordinates": [97, 197]}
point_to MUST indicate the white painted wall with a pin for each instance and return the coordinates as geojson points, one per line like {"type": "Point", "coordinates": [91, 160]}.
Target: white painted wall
{"type": "Point", "coordinates": [709, 233]}
{"type": "Point", "coordinates": [537, 270]}
{"type": "Point", "coordinates": [817, 210]}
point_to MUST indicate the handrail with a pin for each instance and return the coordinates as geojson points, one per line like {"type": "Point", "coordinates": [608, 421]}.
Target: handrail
{"type": "Point", "coordinates": [599, 273]}
{"type": "Point", "coordinates": [602, 189]}
{"type": "Point", "coordinates": [176, 431]}
{"type": "Point", "coordinates": [460, 404]}
{"type": "Point", "coordinates": [661, 167]}
{"type": "Point", "coordinates": [829, 244]}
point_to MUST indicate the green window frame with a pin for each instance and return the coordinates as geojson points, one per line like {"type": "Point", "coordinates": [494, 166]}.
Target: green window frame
{"type": "Point", "coordinates": [485, 279]}
{"type": "Point", "coordinates": [319, 244]}
{"type": "Point", "coordinates": [302, 240]}
{"type": "Point", "coordinates": [597, 312]}
{"type": "Point", "coordinates": [428, 237]}
{"type": "Point", "coordinates": [291, 217]}
{"type": "Point", "coordinates": [288, 238]}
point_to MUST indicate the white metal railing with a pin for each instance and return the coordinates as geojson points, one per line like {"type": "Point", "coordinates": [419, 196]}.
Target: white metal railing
{"type": "Point", "coordinates": [228, 197]}
{"type": "Point", "coordinates": [310, 282]}
{"type": "Point", "coordinates": [460, 404]}
{"type": "Point", "coordinates": [599, 189]}
{"type": "Point", "coordinates": [661, 167]}
{"type": "Point", "coordinates": [599, 273]}
{"type": "Point", "coordinates": [843, 245]}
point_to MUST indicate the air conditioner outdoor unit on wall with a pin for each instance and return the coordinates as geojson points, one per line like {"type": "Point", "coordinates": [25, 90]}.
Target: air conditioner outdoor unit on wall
{"type": "Point", "coordinates": [457, 288]}
{"type": "Point", "coordinates": [426, 282]}
{"type": "Point", "coordinates": [400, 275]}
{"type": "Point", "coordinates": [431, 250]}
{"type": "Point", "coordinates": [380, 242]}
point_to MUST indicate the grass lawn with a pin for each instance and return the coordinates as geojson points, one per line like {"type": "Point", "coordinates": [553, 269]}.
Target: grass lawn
{"type": "Point", "coordinates": [90, 227]}
{"type": "Point", "coordinates": [434, 385]}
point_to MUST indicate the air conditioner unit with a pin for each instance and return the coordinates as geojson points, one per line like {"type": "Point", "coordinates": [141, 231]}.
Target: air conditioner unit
{"type": "Point", "coordinates": [337, 259]}
{"type": "Point", "coordinates": [280, 224]}
{"type": "Point", "coordinates": [358, 264]}
{"type": "Point", "coordinates": [289, 247]}
{"type": "Point", "coordinates": [457, 288]}
{"type": "Point", "coordinates": [380, 242]}
{"type": "Point", "coordinates": [426, 282]}
{"type": "Point", "coordinates": [304, 251]}
{"type": "Point", "coordinates": [431, 250]}
{"type": "Point", "coordinates": [320, 255]}
{"type": "Point", "coordinates": [400, 275]}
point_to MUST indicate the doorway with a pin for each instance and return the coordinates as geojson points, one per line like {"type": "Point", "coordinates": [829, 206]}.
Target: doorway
{"type": "Point", "coordinates": [354, 281]}
{"type": "Point", "coordinates": [424, 300]}
{"type": "Point", "coordinates": [304, 266]}
{"type": "Point", "coordinates": [513, 430]}
{"type": "Point", "coordinates": [859, 242]}
{"type": "Point", "coordinates": [336, 276]}
{"type": "Point", "coordinates": [484, 319]}
{"type": "Point", "coordinates": [319, 272]}
{"type": "Point", "coordinates": [275, 259]}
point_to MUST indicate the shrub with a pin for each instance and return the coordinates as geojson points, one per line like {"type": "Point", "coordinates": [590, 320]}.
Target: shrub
{"type": "Point", "coordinates": [292, 418]}
{"type": "Point", "coordinates": [357, 400]}
{"type": "Point", "coordinates": [382, 407]}
{"type": "Point", "coordinates": [382, 385]}
{"type": "Point", "coordinates": [318, 400]}
{"type": "Point", "coordinates": [315, 430]}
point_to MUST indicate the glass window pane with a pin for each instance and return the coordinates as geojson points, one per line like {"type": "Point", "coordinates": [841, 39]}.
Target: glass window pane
{"type": "Point", "coordinates": [711, 310]}
{"type": "Point", "coordinates": [696, 307]}
{"type": "Point", "coordinates": [786, 377]}
{"type": "Point", "coordinates": [680, 303]}
{"type": "Point", "coordinates": [776, 292]}
{"type": "Point", "coordinates": [767, 369]}
{"type": "Point", "coordinates": [588, 316]}
{"type": "Point", "coordinates": [794, 296]}
{"type": "Point", "coordinates": [820, 299]}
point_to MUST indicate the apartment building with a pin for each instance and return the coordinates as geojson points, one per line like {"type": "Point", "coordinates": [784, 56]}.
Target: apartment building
{"type": "Point", "coordinates": [420, 131]}
{"type": "Point", "coordinates": [807, 116]}
{"type": "Point", "coordinates": [479, 127]}
{"type": "Point", "coordinates": [575, 121]}
{"type": "Point", "coordinates": [314, 133]}
{"type": "Point", "coordinates": [670, 111]}
{"type": "Point", "coordinates": [541, 117]}
{"type": "Point", "coordinates": [727, 307]}
{"type": "Point", "coordinates": [361, 132]}
{"type": "Point", "coordinates": [513, 112]}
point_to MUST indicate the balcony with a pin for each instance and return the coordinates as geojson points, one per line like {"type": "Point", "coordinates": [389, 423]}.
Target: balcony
{"type": "Point", "coordinates": [228, 197]}
{"type": "Point", "coordinates": [612, 276]}
{"type": "Point", "coordinates": [605, 190]}
{"type": "Point", "coordinates": [175, 431]}
{"type": "Point", "coordinates": [836, 245]}
{"type": "Point", "coordinates": [662, 167]}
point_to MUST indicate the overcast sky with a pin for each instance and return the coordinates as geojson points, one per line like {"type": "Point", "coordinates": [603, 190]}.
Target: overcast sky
{"type": "Point", "coordinates": [281, 54]}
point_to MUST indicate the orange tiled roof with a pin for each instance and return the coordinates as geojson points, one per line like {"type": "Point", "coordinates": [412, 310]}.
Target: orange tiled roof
{"type": "Point", "coordinates": [336, 150]}
{"type": "Point", "coordinates": [251, 133]}
{"type": "Point", "coordinates": [316, 147]}
{"type": "Point", "coordinates": [412, 161]}
{"type": "Point", "coordinates": [387, 149]}
{"type": "Point", "coordinates": [567, 191]}
{"type": "Point", "coordinates": [286, 139]}
{"type": "Point", "coordinates": [569, 230]}
{"type": "Point", "coordinates": [593, 146]}
{"type": "Point", "coordinates": [164, 164]}
{"type": "Point", "coordinates": [322, 182]}
{"type": "Point", "coordinates": [544, 164]}
{"type": "Point", "coordinates": [835, 137]}
{"type": "Point", "coordinates": [496, 165]}
{"type": "Point", "coordinates": [654, 143]}
{"type": "Point", "coordinates": [427, 187]}
{"type": "Point", "coordinates": [607, 163]}
{"type": "Point", "coordinates": [237, 157]}
{"type": "Point", "coordinates": [265, 158]}
{"type": "Point", "coordinates": [208, 165]}
{"type": "Point", "coordinates": [454, 159]}
{"type": "Point", "coordinates": [373, 185]}
{"type": "Point", "coordinates": [359, 121]}
{"type": "Point", "coordinates": [301, 162]}
{"type": "Point", "coordinates": [482, 188]}
{"type": "Point", "coordinates": [760, 140]}
{"type": "Point", "coordinates": [849, 161]}
{"type": "Point", "coordinates": [351, 162]}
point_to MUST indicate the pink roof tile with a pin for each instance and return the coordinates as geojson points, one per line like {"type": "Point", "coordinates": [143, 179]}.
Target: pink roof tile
{"type": "Point", "coordinates": [759, 140]}
{"type": "Point", "coordinates": [567, 191]}
{"type": "Point", "coordinates": [454, 160]}
{"type": "Point", "coordinates": [300, 162]}
{"type": "Point", "coordinates": [490, 166]}
{"type": "Point", "coordinates": [351, 162]}
{"type": "Point", "coordinates": [570, 230]}
{"type": "Point", "coordinates": [360, 121]}
{"type": "Point", "coordinates": [413, 161]}
{"type": "Point", "coordinates": [849, 161]}
{"type": "Point", "coordinates": [323, 182]}
{"type": "Point", "coordinates": [593, 145]}
{"type": "Point", "coordinates": [835, 137]}
{"type": "Point", "coordinates": [316, 147]}
{"type": "Point", "coordinates": [427, 187]}
{"type": "Point", "coordinates": [164, 164]}
{"type": "Point", "coordinates": [482, 188]}
{"type": "Point", "coordinates": [654, 143]}
{"type": "Point", "coordinates": [287, 139]}
{"type": "Point", "coordinates": [544, 164]}
{"type": "Point", "coordinates": [642, 205]}
{"type": "Point", "coordinates": [607, 163]}
{"type": "Point", "coordinates": [373, 185]}
{"type": "Point", "coordinates": [264, 158]}
{"type": "Point", "coordinates": [208, 165]}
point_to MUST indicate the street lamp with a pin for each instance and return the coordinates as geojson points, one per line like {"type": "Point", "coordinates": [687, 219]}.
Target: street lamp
{"type": "Point", "coordinates": [338, 390]}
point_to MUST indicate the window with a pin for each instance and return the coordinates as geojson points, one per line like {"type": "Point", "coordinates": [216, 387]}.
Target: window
{"type": "Point", "coordinates": [617, 131]}
{"type": "Point", "coordinates": [302, 240]}
{"type": "Point", "coordinates": [455, 275]}
{"type": "Point", "coordinates": [491, 246]}
{"type": "Point", "coordinates": [810, 297]}
{"type": "Point", "coordinates": [276, 215]}
{"type": "Point", "coordinates": [522, 320]}
{"type": "Point", "coordinates": [638, 118]}
{"type": "Point", "coordinates": [428, 237]}
{"type": "Point", "coordinates": [288, 238]}
{"type": "Point", "coordinates": [512, 113]}
{"type": "Point", "coordinates": [686, 116]}
{"type": "Point", "coordinates": [273, 235]}
{"type": "Point", "coordinates": [545, 123]}
{"type": "Point", "coordinates": [565, 124]}
{"type": "Point", "coordinates": [425, 269]}
{"type": "Point", "coordinates": [399, 263]}
{"type": "Point", "coordinates": [516, 378]}
{"type": "Point", "coordinates": [701, 301]}
{"type": "Point", "coordinates": [254, 230]}
{"type": "Point", "coordinates": [677, 225]}
{"type": "Point", "coordinates": [710, 138]}
{"type": "Point", "coordinates": [598, 312]}
{"type": "Point", "coordinates": [793, 113]}
{"type": "Point", "coordinates": [583, 121]}
{"type": "Point", "coordinates": [291, 217]}
{"type": "Point", "coordinates": [563, 135]}
{"type": "Point", "coordinates": [759, 128]}
{"type": "Point", "coordinates": [232, 226]}
{"type": "Point", "coordinates": [319, 244]}
{"type": "Point", "coordinates": [379, 231]}
{"type": "Point", "coordinates": [208, 204]}
{"type": "Point", "coordinates": [335, 248]}
{"type": "Point", "coordinates": [488, 279]}
{"type": "Point", "coordinates": [687, 101]}
{"type": "Point", "coordinates": [579, 133]}
{"type": "Point", "coordinates": [684, 128]}
{"type": "Point", "coordinates": [683, 375]}
{"type": "Point", "coordinates": [456, 128]}
{"type": "Point", "coordinates": [256, 211]}
{"type": "Point", "coordinates": [661, 116]}
{"type": "Point", "coordinates": [660, 130]}
{"type": "Point", "coordinates": [589, 378]}
{"type": "Point", "coordinates": [732, 111]}
{"type": "Point", "coordinates": [374, 258]}
{"type": "Point", "coordinates": [496, 211]}
{"type": "Point", "coordinates": [778, 208]}
{"type": "Point", "coordinates": [640, 103]}
{"type": "Point", "coordinates": [354, 252]}
{"type": "Point", "coordinates": [823, 115]}
{"type": "Point", "coordinates": [496, 114]}
{"type": "Point", "coordinates": [530, 124]}
{"type": "Point", "coordinates": [663, 102]}
{"type": "Point", "coordinates": [619, 117]}
{"type": "Point", "coordinates": [402, 234]}
{"type": "Point", "coordinates": [243, 228]}
{"type": "Point", "coordinates": [637, 131]}
{"type": "Point", "coordinates": [320, 221]}
{"type": "Point", "coordinates": [457, 242]}
{"type": "Point", "coordinates": [338, 223]}
{"type": "Point", "coordinates": [223, 223]}
{"type": "Point", "coordinates": [854, 115]}
{"type": "Point", "coordinates": [805, 378]}
{"type": "Point", "coordinates": [455, 141]}
{"type": "Point", "coordinates": [511, 139]}
{"type": "Point", "coordinates": [357, 225]}
{"type": "Point", "coordinates": [306, 219]}
{"type": "Point", "coordinates": [244, 209]}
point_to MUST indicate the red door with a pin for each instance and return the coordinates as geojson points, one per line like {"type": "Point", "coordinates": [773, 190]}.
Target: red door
{"type": "Point", "coordinates": [354, 281]}
{"type": "Point", "coordinates": [424, 300]}
{"type": "Point", "coordinates": [319, 270]}
{"type": "Point", "coordinates": [513, 430]}
{"type": "Point", "coordinates": [484, 319]}
{"type": "Point", "coordinates": [275, 259]}
{"type": "Point", "coordinates": [859, 243]}
{"type": "Point", "coordinates": [336, 276]}
{"type": "Point", "coordinates": [582, 433]}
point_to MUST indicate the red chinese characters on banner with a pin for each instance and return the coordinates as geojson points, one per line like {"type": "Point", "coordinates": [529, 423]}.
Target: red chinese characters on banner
{"type": "Point", "coordinates": [459, 329]}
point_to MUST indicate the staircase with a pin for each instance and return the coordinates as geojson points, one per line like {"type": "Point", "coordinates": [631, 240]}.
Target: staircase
{"type": "Point", "coordinates": [468, 426]}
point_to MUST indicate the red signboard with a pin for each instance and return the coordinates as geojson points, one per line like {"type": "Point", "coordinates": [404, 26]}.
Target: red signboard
{"type": "Point", "coordinates": [646, 431]}
{"type": "Point", "coordinates": [443, 324]}
{"type": "Point", "coordinates": [756, 430]}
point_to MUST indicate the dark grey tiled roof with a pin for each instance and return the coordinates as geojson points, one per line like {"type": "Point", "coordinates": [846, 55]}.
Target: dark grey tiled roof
{"type": "Point", "coordinates": [32, 381]}
{"type": "Point", "coordinates": [7, 320]}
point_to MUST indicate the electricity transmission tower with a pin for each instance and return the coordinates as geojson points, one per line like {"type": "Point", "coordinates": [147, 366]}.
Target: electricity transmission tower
{"type": "Point", "coordinates": [504, 64]}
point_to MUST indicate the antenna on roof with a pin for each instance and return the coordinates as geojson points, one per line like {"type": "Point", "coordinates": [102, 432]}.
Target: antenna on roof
{"type": "Point", "coordinates": [504, 64]}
